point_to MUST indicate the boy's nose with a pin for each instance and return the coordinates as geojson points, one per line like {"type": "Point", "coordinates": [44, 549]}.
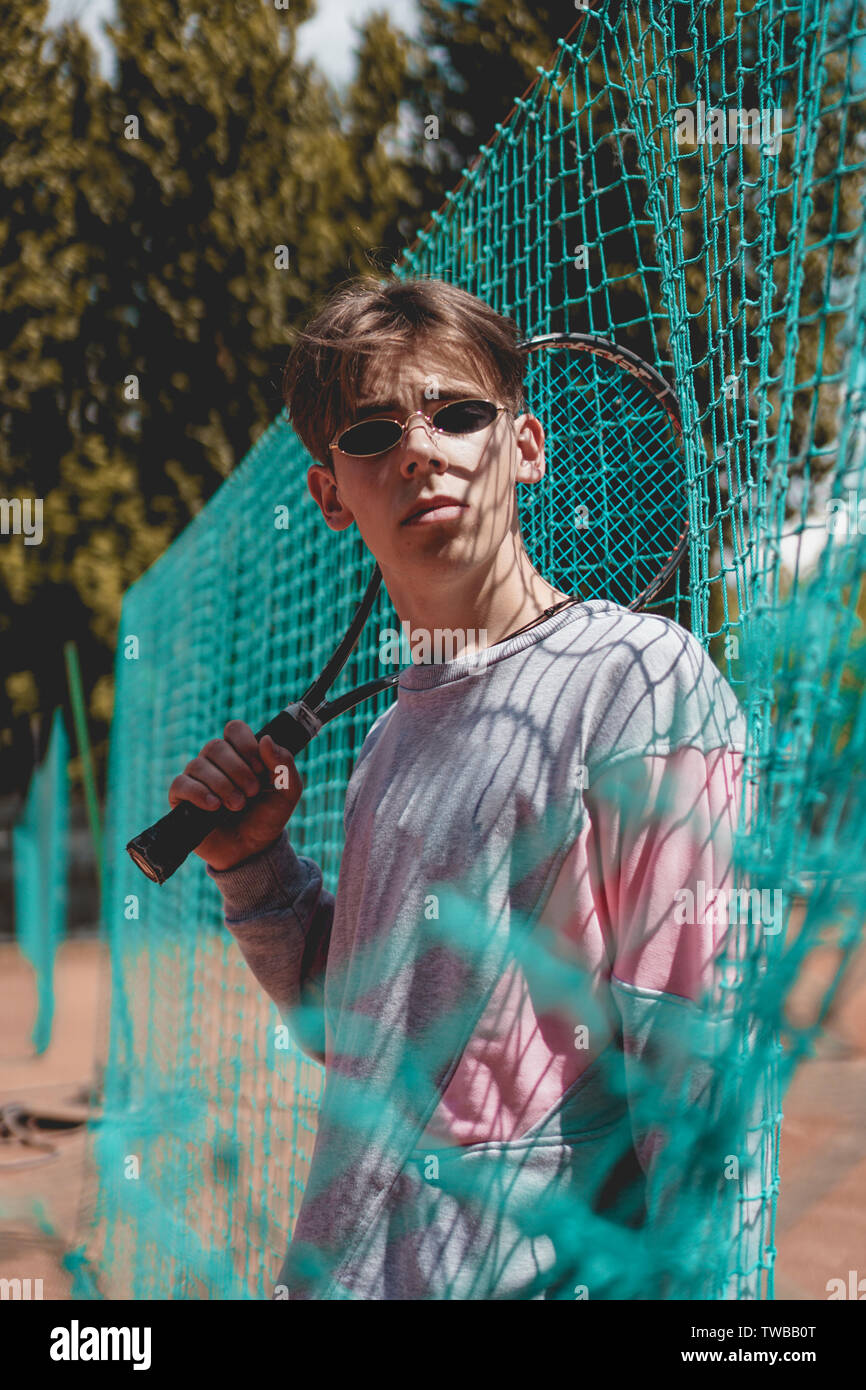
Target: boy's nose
{"type": "Point", "coordinates": [419, 419]}
{"type": "Point", "coordinates": [420, 445]}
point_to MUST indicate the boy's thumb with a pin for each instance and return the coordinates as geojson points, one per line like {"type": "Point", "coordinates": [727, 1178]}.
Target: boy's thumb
{"type": "Point", "coordinates": [271, 752]}
{"type": "Point", "coordinates": [279, 761]}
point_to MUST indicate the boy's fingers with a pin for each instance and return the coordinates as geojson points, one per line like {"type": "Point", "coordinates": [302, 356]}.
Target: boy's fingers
{"type": "Point", "coordinates": [277, 758]}
{"type": "Point", "coordinates": [186, 788]}
{"type": "Point", "coordinates": [243, 740]}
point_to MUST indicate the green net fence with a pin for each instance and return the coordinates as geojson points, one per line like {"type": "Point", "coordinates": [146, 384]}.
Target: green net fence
{"type": "Point", "coordinates": [688, 180]}
{"type": "Point", "coordinates": [40, 857]}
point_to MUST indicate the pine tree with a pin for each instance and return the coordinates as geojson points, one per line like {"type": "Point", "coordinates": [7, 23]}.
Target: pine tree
{"type": "Point", "coordinates": [163, 235]}
{"type": "Point", "coordinates": [47, 278]}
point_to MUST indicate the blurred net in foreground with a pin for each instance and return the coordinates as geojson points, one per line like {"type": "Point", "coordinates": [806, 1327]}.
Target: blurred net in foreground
{"type": "Point", "coordinates": [40, 852]}
{"type": "Point", "coordinates": [689, 180]}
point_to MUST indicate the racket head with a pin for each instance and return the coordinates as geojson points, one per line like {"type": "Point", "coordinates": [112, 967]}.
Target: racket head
{"type": "Point", "coordinates": [610, 518]}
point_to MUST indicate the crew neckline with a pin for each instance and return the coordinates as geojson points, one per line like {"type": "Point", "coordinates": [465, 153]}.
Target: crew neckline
{"type": "Point", "coordinates": [426, 676]}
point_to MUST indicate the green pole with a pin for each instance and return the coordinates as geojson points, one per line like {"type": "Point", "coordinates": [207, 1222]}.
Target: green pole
{"type": "Point", "coordinates": [70, 651]}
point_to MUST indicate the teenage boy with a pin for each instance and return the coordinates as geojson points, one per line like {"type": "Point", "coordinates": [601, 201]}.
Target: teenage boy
{"type": "Point", "coordinates": [506, 960]}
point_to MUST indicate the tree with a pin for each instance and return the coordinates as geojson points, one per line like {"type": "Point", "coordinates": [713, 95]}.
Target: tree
{"type": "Point", "coordinates": [47, 271]}
{"type": "Point", "coordinates": [163, 235]}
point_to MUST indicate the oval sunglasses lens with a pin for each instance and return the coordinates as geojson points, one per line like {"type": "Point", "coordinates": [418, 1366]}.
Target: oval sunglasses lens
{"type": "Point", "coordinates": [369, 437]}
{"type": "Point", "coordinates": [465, 417]}
{"type": "Point", "coordinates": [376, 436]}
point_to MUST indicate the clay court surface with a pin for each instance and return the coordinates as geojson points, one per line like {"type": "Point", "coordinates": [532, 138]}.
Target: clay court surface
{"type": "Point", "coordinates": [821, 1219]}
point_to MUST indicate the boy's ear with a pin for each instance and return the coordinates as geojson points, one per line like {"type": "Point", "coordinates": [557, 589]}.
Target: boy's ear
{"type": "Point", "coordinates": [529, 433]}
{"type": "Point", "coordinates": [322, 483]}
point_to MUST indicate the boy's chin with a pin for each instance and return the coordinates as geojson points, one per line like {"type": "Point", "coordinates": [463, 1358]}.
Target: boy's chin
{"type": "Point", "coordinates": [449, 552]}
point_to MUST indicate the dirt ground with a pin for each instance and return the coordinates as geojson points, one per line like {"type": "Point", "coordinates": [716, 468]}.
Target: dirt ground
{"type": "Point", "coordinates": [821, 1215]}
{"type": "Point", "coordinates": [58, 1081]}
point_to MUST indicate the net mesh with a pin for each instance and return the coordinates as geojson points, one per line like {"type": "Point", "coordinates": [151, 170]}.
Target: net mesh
{"type": "Point", "coordinates": [688, 180]}
{"type": "Point", "coordinates": [40, 857]}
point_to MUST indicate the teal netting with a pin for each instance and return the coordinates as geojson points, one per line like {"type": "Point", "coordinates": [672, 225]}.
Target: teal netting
{"type": "Point", "coordinates": [40, 857]}
{"type": "Point", "coordinates": [687, 179]}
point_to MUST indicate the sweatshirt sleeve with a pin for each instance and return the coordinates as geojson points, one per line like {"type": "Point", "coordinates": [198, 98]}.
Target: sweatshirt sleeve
{"type": "Point", "coordinates": [280, 914]}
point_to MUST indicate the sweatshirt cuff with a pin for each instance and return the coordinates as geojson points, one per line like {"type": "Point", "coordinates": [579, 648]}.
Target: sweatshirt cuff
{"type": "Point", "coordinates": [273, 878]}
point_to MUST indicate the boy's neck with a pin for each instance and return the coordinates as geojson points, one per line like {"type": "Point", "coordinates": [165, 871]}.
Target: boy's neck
{"type": "Point", "coordinates": [495, 602]}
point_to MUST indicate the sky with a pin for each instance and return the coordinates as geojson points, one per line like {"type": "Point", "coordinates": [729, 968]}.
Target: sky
{"type": "Point", "coordinates": [328, 37]}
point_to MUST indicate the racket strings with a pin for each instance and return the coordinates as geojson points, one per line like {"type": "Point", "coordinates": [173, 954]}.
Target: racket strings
{"type": "Point", "coordinates": [610, 516]}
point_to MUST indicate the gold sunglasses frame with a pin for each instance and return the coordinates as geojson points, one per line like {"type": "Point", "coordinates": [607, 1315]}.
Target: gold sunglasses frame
{"type": "Point", "coordinates": [428, 419]}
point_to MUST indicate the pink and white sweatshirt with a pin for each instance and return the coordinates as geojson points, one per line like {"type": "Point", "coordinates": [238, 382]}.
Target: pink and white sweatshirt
{"type": "Point", "coordinates": [505, 986]}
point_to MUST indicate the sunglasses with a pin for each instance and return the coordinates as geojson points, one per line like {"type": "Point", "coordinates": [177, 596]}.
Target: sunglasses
{"type": "Point", "coordinates": [381, 433]}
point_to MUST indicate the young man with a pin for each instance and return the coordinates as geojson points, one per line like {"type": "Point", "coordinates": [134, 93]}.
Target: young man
{"type": "Point", "coordinates": [501, 988]}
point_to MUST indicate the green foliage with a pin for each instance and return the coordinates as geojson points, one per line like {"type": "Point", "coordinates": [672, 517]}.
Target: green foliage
{"type": "Point", "coordinates": [53, 186]}
{"type": "Point", "coordinates": [146, 303]}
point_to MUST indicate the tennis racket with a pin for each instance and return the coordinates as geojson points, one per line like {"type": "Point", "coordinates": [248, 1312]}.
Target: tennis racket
{"type": "Point", "coordinates": [610, 518]}
{"type": "Point", "coordinates": [163, 847]}
{"type": "Point", "coordinates": [611, 522]}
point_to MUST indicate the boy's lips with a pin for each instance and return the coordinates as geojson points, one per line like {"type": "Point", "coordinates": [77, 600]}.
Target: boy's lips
{"type": "Point", "coordinates": [439, 507]}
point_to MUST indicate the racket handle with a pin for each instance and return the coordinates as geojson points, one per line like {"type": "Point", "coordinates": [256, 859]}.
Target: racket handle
{"type": "Point", "coordinates": [163, 847]}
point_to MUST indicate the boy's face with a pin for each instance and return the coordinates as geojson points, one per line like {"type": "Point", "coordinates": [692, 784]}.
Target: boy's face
{"type": "Point", "coordinates": [475, 472]}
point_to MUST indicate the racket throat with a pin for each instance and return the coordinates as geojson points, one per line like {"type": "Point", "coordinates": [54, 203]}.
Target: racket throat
{"type": "Point", "coordinates": [304, 716]}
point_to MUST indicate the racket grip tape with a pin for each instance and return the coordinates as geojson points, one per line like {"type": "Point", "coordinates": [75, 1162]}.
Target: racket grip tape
{"type": "Point", "coordinates": [161, 849]}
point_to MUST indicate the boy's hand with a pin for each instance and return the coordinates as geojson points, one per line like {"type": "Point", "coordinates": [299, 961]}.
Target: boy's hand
{"type": "Point", "coordinates": [227, 772]}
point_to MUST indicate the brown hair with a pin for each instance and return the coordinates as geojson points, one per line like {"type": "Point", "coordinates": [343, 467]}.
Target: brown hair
{"type": "Point", "coordinates": [328, 361]}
